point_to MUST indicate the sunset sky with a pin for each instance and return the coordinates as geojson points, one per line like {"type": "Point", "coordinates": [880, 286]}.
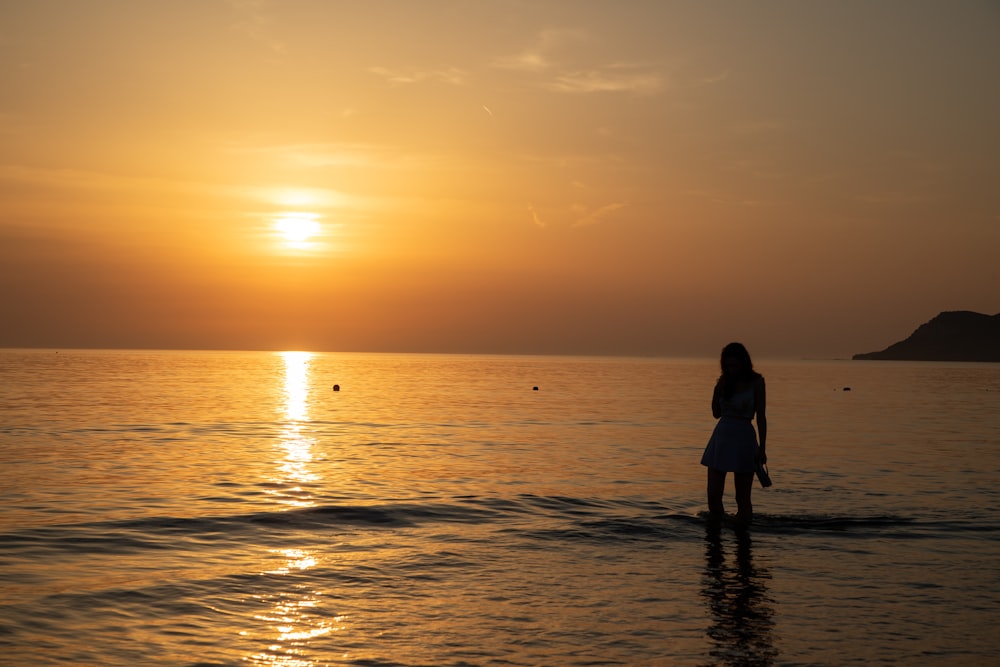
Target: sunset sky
{"type": "Point", "coordinates": [813, 179]}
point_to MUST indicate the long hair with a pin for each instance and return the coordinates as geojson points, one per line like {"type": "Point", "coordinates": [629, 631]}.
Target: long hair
{"type": "Point", "coordinates": [746, 373]}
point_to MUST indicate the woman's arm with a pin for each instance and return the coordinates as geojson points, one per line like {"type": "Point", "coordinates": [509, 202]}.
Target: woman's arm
{"type": "Point", "coordinates": [717, 400]}
{"type": "Point", "coordinates": [760, 405]}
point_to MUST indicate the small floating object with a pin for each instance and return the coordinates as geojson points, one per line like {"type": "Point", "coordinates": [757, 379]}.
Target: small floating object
{"type": "Point", "coordinates": [847, 388]}
{"type": "Point", "coordinates": [336, 387]}
{"type": "Point", "coordinates": [534, 389]}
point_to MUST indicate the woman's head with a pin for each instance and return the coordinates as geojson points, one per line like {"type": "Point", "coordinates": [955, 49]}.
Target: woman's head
{"type": "Point", "coordinates": [735, 362]}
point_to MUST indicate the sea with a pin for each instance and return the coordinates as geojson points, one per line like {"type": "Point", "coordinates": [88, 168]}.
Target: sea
{"type": "Point", "coordinates": [297, 509]}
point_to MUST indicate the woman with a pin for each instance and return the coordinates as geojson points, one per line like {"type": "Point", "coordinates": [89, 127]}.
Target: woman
{"type": "Point", "coordinates": [739, 396]}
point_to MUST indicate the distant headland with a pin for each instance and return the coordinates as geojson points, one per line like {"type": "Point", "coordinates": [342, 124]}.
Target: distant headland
{"type": "Point", "coordinates": [959, 335]}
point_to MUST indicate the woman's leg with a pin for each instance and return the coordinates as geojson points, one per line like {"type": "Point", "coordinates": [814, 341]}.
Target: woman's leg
{"type": "Point", "coordinates": [716, 485]}
{"type": "Point", "coordinates": [744, 483]}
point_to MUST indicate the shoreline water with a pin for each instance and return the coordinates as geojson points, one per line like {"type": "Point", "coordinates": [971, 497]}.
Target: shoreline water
{"type": "Point", "coordinates": [229, 508]}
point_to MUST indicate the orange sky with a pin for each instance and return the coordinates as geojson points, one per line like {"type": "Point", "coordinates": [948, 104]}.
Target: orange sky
{"type": "Point", "coordinates": [814, 179]}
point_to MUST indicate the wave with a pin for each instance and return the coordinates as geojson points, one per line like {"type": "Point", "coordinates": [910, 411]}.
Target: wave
{"type": "Point", "coordinates": [528, 516]}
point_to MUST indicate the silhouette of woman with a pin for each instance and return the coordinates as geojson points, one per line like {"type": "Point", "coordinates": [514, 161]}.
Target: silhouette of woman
{"type": "Point", "coordinates": [738, 398]}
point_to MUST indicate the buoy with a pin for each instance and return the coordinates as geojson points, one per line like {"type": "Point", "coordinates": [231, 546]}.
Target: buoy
{"type": "Point", "coordinates": [534, 389]}
{"type": "Point", "coordinates": [336, 387]}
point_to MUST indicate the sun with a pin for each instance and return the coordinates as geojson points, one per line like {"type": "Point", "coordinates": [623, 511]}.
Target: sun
{"type": "Point", "coordinates": [297, 228]}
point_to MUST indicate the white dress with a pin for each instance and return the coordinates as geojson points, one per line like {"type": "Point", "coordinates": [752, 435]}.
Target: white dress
{"type": "Point", "coordinates": [733, 445]}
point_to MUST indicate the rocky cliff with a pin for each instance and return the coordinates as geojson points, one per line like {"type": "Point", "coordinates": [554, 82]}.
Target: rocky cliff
{"type": "Point", "coordinates": [951, 336]}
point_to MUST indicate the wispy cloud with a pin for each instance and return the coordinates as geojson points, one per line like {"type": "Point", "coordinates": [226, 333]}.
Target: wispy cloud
{"type": "Point", "coordinates": [448, 75]}
{"type": "Point", "coordinates": [334, 155]}
{"type": "Point", "coordinates": [526, 61]}
{"type": "Point", "coordinates": [253, 20]}
{"type": "Point", "coordinates": [713, 79]}
{"type": "Point", "coordinates": [551, 57]}
{"type": "Point", "coordinates": [539, 55]}
{"type": "Point", "coordinates": [613, 79]}
{"type": "Point", "coordinates": [574, 215]}
{"type": "Point", "coordinates": [535, 217]}
{"type": "Point", "coordinates": [61, 198]}
{"type": "Point", "coordinates": [76, 179]}
{"type": "Point", "coordinates": [70, 180]}
{"type": "Point", "coordinates": [592, 216]}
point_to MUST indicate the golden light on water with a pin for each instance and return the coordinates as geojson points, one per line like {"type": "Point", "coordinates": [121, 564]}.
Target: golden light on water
{"type": "Point", "coordinates": [293, 624]}
{"type": "Point", "coordinates": [295, 560]}
{"type": "Point", "coordinates": [294, 616]}
{"type": "Point", "coordinates": [295, 466]}
{"type": "Point", "coordinates": [296, 386]}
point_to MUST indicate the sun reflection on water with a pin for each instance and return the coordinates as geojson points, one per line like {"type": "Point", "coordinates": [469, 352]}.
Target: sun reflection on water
{"type": "Point", "coordinates": [297, 385]}
{"type": "Point", "coordinates": [294, 467]}
{"type": "Point", "coordinates": [294, 615]}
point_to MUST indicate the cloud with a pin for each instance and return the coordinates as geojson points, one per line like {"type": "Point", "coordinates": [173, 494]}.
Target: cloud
{"type": "Point", "coordinates": [62, 198]}
{"type": "Point", "coordinates": [334, 155]}
{"type": "Point", "coordinates": [526, 61]}
{"type": "Point", "coordinates": [575, 215]}
{"type": "Point", "coordinates": [254, 22]}
{"type": "Point", "coordinates": [76, 179]}
{"type": "Point", "coordinates": [535, 217]}
{"type": "Point", "coordinates": [551, 57]}
{"type": "Point", "coordinates": [587, 216]}
{"type": "Point", "coordinates": [713, 79]}
{"type": "Point", "coordinates": [90, 182]}
{"type": "Point", "coordinates": [449, 75]}
{"type": "Point", "coordinates": [538, 56]}
{"type": "Point", "coordinates": [615, 79]}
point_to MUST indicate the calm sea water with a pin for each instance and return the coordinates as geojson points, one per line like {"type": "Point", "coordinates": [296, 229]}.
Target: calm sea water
{"type": "Point", "coordinates": [178, 508]}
